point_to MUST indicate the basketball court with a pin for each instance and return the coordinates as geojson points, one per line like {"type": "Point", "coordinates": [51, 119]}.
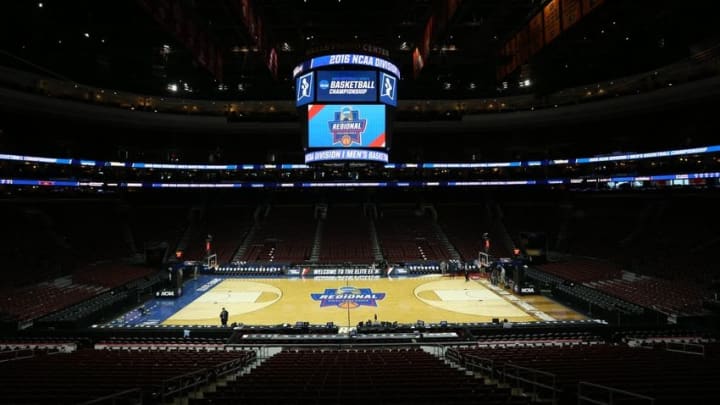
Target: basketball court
{"type": "Point", "coordinates": [346, 302]}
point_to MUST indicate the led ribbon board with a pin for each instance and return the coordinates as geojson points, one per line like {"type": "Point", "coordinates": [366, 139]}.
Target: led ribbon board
{"type": "Point", "coordinates": [289, 166]}
{"type": "Point", "coordinates": [357, 155]}
{"type": "Point", "coordinates": [352, 59]}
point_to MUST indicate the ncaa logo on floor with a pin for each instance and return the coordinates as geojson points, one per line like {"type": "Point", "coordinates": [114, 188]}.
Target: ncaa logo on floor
{"type": "Point", "coordinates": [348, 297]}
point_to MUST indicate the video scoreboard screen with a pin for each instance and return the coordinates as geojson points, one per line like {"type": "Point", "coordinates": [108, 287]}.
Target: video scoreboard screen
{"type": "Point", "coordinates": [305, 89]}
{"type": "Point", "coordinates": [347, 102]}
{"type": "Point", "coordinates": [388, 89]}
{"type": "Point", "coordinates": [346, 86]}
{"type": "Point", "coordinates": [346, 126]}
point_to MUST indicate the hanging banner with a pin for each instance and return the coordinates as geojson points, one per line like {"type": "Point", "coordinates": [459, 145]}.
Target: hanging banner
{"type": "Point", "coordinates": [551, 17]}
{"type": "Point", "coordinates": [522, 46]}
{"type": "Point", "coordinates": [590, 5]}
{"type": "Point", "coordinates": [571, 13]}
{"type": "Point", "coordinates": [536, 34]}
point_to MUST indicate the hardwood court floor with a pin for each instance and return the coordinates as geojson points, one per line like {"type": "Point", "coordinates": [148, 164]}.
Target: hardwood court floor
{"type": "Point", "coordinates": [406, 300]}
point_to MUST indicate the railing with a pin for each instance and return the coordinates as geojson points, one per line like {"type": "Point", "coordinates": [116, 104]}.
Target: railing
{"type": "Point", "coordinates": [482, 365]}
{"type": "Point", "coordinates": [182, 383]}
{"type": "Point", "coordinates": [687, 348]}
{"type": "Point", "coordinates": [596, 394]}
{"type": "Point", "coordinates": [540, 384]}
{"type": "Point", "coordinates": [132, 396]}
{"type": "Point", "coordinates": [263, 349]}
{"type": "Point", "coordinates": [16, 354]}
{"type": "Point", "coordinates": [233, 365]}
{"type": "Point", "coordinates": [454, 356]}
{"type": "Point", "coordinates": [669, 345]}
{"type": "Point", "coordinates": [174, 385]}
{"type": "Point", "coordinates": [437, 350]}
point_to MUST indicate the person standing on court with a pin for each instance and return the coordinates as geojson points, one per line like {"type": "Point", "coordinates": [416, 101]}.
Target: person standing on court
{"type": "Point", "coordinates": [224, 316]}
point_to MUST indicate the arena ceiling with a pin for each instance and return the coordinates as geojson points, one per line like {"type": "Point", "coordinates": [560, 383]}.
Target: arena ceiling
{"type": "Point", "coordinates": [233, 49]}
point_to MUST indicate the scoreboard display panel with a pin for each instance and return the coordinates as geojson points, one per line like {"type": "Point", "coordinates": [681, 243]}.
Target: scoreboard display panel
{"type": "Point", "coordinates": [305, 89]}
{"type": "Point", "coordinates": [388, 89]}
{"type": "Point", "coordinates": [327, 79]}
{"type": "Point", "coordinates": [346, 126]}
{"type": "Point", "coordinates": [346, 86]}
{"type": "Point", "coordinates": [347, 102]}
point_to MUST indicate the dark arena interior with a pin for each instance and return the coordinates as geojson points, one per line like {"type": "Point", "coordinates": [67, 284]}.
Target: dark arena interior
{"type": "Point", "coordinates": [359, 201]}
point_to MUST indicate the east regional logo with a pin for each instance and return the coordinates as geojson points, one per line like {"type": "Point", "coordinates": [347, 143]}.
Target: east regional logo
{"type": "Point", "coordinates": [348, 297]}
{"type": "Point", "coordinates": [347, 127]}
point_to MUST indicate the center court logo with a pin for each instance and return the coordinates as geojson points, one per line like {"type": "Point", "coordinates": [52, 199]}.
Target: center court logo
{"type": "Point", "coordinates": [348, 297]}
